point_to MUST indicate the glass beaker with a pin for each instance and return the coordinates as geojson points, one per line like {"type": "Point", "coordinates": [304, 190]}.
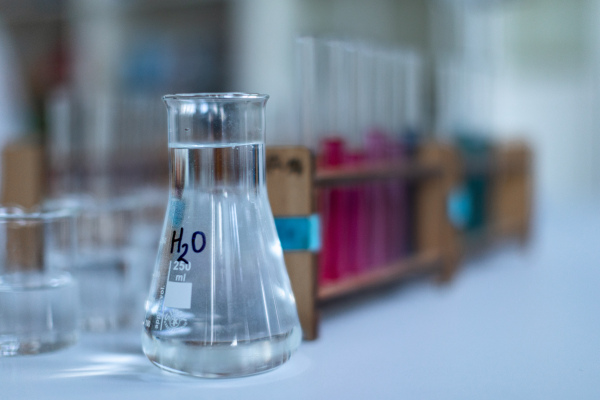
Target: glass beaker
{"type": "Point", "coordinates": [39, 306]}
{"type": "Point", "coordinates": [111, 263]}
{"type": "Point", "coordinates": [220, 302]}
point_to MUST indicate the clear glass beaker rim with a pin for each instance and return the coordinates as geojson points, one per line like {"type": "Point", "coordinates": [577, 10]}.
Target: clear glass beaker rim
{"type": "Point", "coordinates": [226, 96]}
{"type": "Point", "coordinates": [15, 213]}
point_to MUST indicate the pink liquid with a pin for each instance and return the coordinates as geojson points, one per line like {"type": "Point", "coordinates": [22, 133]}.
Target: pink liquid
{"type": "Point", "coordinates": [332, 207]}
{"type": "Point", "coordinates": [375, 148]}
{"type": "Point", "coordinates": [396, 198]}
{"type": "Point", "coordinates": [359, 242]}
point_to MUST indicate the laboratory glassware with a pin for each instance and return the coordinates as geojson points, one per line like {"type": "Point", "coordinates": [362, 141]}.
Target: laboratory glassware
{"type": "Point", "coordinates": [111, 263]}
{"type": "Point", "coordinates": [39, 308]}
{"type": "Point", "coordinates": [220, 302]}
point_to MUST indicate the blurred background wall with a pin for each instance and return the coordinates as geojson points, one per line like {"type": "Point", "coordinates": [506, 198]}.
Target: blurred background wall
{"type": "Point", "coordinates": [546, 88]}
{"type": "Point", "coordinates": [510, 68]}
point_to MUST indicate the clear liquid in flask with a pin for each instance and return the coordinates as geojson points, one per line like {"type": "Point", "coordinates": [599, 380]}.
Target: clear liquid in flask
{"type": "Point", "coordinates": [220, 303]}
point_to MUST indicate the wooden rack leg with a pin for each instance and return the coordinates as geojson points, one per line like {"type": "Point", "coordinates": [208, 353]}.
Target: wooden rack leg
{"type": "Point", "coordinates": [435, 233]}
{"type": "Point", "coordinates": [512, 191]}
{"type": "Point", "coordinates": [526, 193]}
{"type": "Point", "coordinates": [302, 269]}
{"type": "Point", "coordinates": [290, 178]}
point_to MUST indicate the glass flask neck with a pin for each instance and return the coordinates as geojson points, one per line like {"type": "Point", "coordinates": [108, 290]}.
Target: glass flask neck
{"type": "Point", "coordinates": [216, 119]}
{"type": "Point", "coordinates": [216, 142]}
{"type": "Point", "coordinates": [234, 169]}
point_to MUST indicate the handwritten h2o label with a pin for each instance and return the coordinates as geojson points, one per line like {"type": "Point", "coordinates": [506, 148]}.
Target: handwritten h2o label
{"type": "Point", "coordinates": [197, 244]}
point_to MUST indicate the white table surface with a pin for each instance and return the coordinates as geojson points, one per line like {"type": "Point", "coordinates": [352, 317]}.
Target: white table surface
{"type": "Point", "coordinates": [514, 324]}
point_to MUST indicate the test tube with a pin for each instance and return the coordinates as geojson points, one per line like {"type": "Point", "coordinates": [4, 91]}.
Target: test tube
{"type": "Point", "coordinates": [414, 91]}
{"type": "Point", "coordinates": [376, 142]}
{"type": "Point", "coordinates": [394, 189]}
{"type": "Point", "coordinates": [398, 93]}
{"type": "Point", "coordinates": [403, 191]}
{"type": "Point", "coordinates": [342, 196]}
{"type": "Point", "coordinates": [365, 71]}
{"type": "Point", "coordinates": [333, 153]}
{"type": "Point", "coordinates": [358, 211]}
{"type": "Point", "coordinates": [307, 87]}
{"type": "Point", "coordinates": [318, 126]}
{"type": "Point", "coordinates": [383, 91]}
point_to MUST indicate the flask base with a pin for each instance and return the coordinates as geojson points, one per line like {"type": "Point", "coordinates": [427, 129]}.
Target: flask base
{"type": "Point", "coordinates": [221, 360]}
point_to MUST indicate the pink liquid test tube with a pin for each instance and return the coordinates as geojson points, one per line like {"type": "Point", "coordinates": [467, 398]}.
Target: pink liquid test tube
{"type": "Point", "coordinates": [331, 206]}
{"type": "Point", "coordinates": [396, 198]}
{"type": "Point", "coordinates": [375, 146]}
{"type": "Point", "coordinates": [359, 241]}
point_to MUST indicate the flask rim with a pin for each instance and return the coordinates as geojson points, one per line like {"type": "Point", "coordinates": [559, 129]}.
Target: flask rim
{"type": "Point", "coordinates": [224, 97]}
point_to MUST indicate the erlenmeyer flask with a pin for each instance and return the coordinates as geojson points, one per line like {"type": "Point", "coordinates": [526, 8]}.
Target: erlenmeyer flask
{"type": "Point", "coordinates": [220, 302]}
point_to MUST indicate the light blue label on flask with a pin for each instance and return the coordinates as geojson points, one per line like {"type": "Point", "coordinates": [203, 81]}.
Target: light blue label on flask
{"type": "Point", "coordinates": [177, 208]}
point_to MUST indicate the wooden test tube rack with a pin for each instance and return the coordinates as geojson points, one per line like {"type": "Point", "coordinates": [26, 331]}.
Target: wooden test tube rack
{"type": "Point", "coordinates": [292, 182]}
{"type": "Point", "coordinates": [437, 169]}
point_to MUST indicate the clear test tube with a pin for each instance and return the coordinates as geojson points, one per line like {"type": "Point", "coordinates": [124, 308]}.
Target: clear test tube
{"type": "Point", "coordinates": [325, 91]}
{"type": "Point", "coordinates": [376, 136]}
{"type": "Point", "coordinates": [414, 92]}
{"type": "Point", "coordinates": [307, 88]}
{"type": "Point", "coordinates": [398, 84]}
{"type": "Point", "coordinates": [335, 79]}
{"type": "Point", "coordinates": [326, 102]}
{"type": "Point", "coordinates": [383, 91]}
{"type": "Point", "coordinates": [365, 71]}
{"type": "Point", "coordinates": [351, 95]}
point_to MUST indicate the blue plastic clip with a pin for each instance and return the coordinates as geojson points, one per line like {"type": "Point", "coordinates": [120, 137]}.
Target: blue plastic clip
{"type": "Point", "coordinates": [299, 233]}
